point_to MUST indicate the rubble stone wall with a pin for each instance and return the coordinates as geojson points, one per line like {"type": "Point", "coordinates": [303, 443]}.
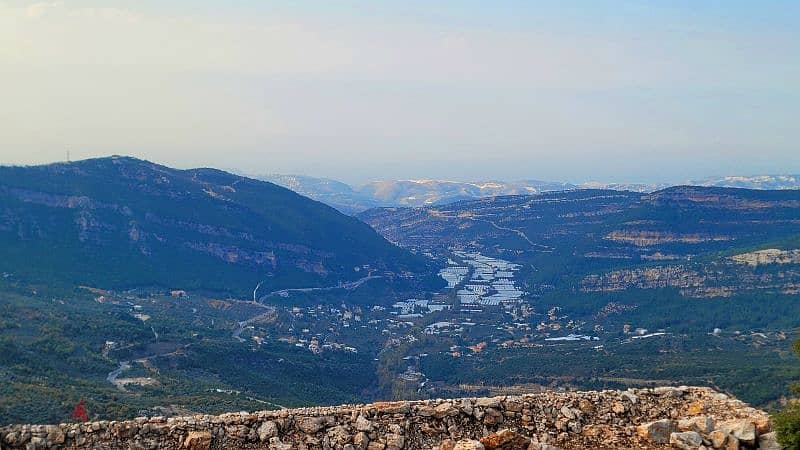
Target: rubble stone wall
{"type": "Point", "coordinates": [683, 417]}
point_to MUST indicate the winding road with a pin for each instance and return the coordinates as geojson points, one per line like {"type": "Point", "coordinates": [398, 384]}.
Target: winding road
{"type": "Point", "coordinates": [243, 324]}
{"type": "Point", "coordinates": [519, 233]}
{"type": "Point", "coordinates": [113, 376]}
{"type": "Point", "coordinates": [350, 285]}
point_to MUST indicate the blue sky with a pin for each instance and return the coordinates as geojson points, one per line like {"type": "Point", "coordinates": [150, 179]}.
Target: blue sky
{"type": "Point", "coordinates": [357, 90]}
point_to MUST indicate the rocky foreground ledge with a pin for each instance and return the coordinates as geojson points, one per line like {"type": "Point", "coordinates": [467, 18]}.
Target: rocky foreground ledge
{"type": "Point", "coordinates": [683, 417]}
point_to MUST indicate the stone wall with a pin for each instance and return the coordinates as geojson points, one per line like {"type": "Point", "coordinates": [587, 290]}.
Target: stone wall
{"type": "Point", "coordinates": [681, 417]}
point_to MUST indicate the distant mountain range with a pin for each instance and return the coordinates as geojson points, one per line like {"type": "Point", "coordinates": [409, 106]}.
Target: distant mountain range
{"type": "Point", "coordinates": [122, 222]}
{"type": "Point", "coordinates": [753, 182]}
{"type": "Point", "coordinates": [393, 193]}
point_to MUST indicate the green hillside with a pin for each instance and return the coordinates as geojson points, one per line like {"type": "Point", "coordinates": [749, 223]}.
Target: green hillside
{"type": "Point", "coordinates": [121, 222]}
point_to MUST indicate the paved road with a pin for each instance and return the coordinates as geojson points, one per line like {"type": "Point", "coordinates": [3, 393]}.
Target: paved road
{"type": "Point", "coordinates": [125, 365]}
{"type": "Point", "coordinates": [243, 324]}
{"type": "Point", "coordinates": [519, 233]}
{"type": "Point", "coordinates": [350, 285]}
{"type": "Point", "coordinates": [114, 374]}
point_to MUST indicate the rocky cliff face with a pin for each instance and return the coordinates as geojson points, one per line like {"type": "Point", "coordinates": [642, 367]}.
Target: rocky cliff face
{"type": "Point", "coordinates": [684, 417]}
{"type": "Point", "coordinates": [134, 223]}
{"type": "Point", "coordinates": [768, 256]}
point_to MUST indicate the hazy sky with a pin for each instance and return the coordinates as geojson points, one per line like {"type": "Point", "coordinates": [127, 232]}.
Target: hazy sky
{"type": "Point", "coordinates": [361, 90]}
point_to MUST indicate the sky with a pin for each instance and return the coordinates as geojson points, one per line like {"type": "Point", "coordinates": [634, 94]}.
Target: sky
{"type": "Point", "coordinates": [624, 91]}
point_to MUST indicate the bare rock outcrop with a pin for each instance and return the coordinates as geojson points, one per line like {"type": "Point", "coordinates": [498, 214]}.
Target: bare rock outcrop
{"type": "Point", "coordinates": [682, 417]}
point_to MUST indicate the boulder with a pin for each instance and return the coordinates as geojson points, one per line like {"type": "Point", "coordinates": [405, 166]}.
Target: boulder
{"type": "Point", "coordinates": [492, 416]}
{"type": "Point", "coordinates": [469, 445]}
{"type": "Point", "coordinates": [538, 446]}
{"type": "Point", "coordinates": [125, 430]}
{"type": "Point", "coordinates": [339, 436]}
{"type": "Point", "coordinates": [310, 425]}
{"type": "Point", "coordinates": [363, 424]}
{"type": "Point", "coordinates": [493, 402]}
{"type": "Point", "coordinates": [656, 432]}
{"type": "Point", "coordinates": [696, 408]}
{"type": "Point", "coordinates": [505, 439]}
{"type": "Point", "coordinates": [55, 435]}
{"type": "Point", "coordinates": [197, 440]}
{"type": "Point", "coordinates": [466, 406]}
{"type": "Point", "coordinates": [395, 441]}
{"type": "Point", "coordinates": [267, 430]}
{"type": "Point", "coordinates": [630, 396]}
{"type": "Point", "coordinates": [718, 438]}
{"type": "Point", "coordinates": [445, 410]}
{"type": "Point", "coordinates": [276, 444]}
{"type": "Point", "coordinates": [768, 441]}
{"type": "Point", "coordinates": [668, 391]}
{"type": "Point", "coordinates": [686, 440]}
{"type": "Point", "coordinates": [360, 440]}
{"type": "Point", "coordinates": [392, 407]}
{"type": "Point", "coordinates": [700, 424]}
{"type": "Point", "coordinates": [763, 425]}
{"type": "Point", "coordinates": [12, 438]}
{"type": "Point", "coordinates": [743, 430]}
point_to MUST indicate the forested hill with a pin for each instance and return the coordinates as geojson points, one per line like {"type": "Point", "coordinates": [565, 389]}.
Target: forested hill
{"type": "Point", "coordinates": [591, 223]}
{"type": "Point", "coordinates": [122, 222]}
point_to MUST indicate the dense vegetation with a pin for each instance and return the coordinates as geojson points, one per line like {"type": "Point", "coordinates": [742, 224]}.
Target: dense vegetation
{"type": "Point", "coordinates": [54, 352]}
{"type": "Point", "coordinates": [121, 222]}
{"type": "Point", "coordinates": [93, 249]}
{"type": "Point", "coordinates": [663, 258]}
{"type": "Point", "coordinates": [787, 421]}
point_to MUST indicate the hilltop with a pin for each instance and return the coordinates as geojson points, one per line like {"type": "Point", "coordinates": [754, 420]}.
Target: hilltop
{"type": "Point", "coordinates": [135, 286]}
{"type": "Point", "coordinates": [121, 222]}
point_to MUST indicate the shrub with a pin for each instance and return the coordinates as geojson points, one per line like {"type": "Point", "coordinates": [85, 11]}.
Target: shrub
{"type": "Point", "coordinates": [787, 421]}
{"type": "Point", "coordinates": [787, 425]}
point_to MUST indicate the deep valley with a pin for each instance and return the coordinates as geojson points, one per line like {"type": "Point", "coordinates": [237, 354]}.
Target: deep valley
{"type": "Point", "coordinates": [206, 299]}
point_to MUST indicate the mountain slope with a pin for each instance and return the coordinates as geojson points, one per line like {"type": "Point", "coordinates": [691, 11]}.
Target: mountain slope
{"type": "Point", "coordinates": [678, 237]}
{"type": "Point", "coordinates": [604, 219]}
{"type": "Point", "coordinates": [120, 222]}
{"type": "Point", "coordinates": [331, 192]}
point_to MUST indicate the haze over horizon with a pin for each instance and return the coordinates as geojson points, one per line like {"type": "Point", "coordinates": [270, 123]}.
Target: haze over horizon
{"type": "Point", "coordinates": [400, 224]}
{"type": "Point", "coordinates": [612, 91]}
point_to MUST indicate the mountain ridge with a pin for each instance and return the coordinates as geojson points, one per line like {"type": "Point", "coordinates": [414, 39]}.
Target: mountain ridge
{"type": "Point", "coordinates": [206, 227]}
{"type": "Point", "coordinates": [419, 192]}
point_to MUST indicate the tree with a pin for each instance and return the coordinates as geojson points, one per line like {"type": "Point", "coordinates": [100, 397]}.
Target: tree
{"type": "Point", "coordinates": [787, 421]}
